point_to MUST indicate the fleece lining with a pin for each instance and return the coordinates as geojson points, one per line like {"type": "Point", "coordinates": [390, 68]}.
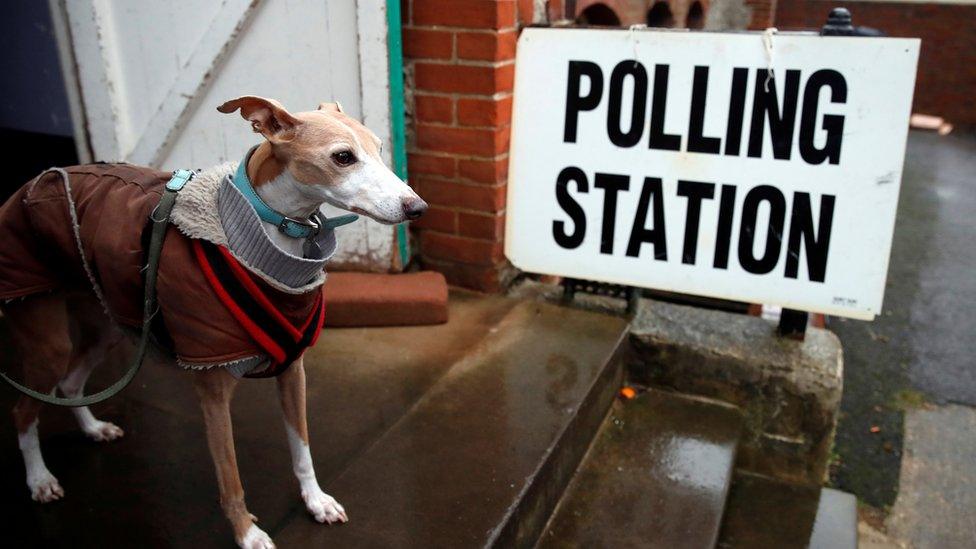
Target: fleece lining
{"type": "Point", "coordinates": [211, 208]}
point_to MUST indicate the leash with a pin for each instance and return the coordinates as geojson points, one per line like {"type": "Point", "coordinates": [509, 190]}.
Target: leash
{"type": "Point", "coordinates": [160, 221]}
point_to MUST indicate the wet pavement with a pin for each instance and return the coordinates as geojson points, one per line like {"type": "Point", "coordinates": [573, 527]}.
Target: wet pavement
{"type": "Point", "coordinates": [657, 476]}
{"type": "Point", "coordinates": [767, 514]}
{"type": "Point", "coordinates": [936, 505]}
{"type": "Point", "coordinates": [921, 342]}
{"type": "Point", "coordinates": [427, 435]}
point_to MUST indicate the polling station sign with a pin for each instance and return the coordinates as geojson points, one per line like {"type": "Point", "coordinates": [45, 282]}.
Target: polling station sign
{"type": "Point", "coordinates": [758, 168]}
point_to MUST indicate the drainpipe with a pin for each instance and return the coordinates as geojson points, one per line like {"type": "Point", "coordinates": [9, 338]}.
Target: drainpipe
{"type": "Point", "coordinates": [394, 44]}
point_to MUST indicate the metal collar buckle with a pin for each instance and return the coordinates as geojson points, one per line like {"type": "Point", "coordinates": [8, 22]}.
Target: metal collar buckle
{"type": "Point", "coordinates": [311, 224]}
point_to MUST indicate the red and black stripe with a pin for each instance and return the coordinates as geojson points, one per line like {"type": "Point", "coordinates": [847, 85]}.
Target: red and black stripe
{"type": "Point", "coordinates": [244, 299]}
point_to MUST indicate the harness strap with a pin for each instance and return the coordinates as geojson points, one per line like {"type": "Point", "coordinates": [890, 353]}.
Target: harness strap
{"type": "Point", "coordinates": [160, 221]}
{"type": "Point", "coordinates": [254, 312]}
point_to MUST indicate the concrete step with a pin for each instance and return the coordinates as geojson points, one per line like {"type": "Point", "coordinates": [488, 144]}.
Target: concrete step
{"type": "Point", "coordinates": [766, 513]}
{"type": "Point", "coordinates": [657, 475]}
{"type": "Point", "coordinates": [482, 457]}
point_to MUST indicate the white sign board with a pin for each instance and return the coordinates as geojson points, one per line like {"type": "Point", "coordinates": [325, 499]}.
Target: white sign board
{"type": "Point", "coordinates": [679, 161]}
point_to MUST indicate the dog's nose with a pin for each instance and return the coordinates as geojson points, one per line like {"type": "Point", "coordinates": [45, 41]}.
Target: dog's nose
{"type": "Point", "coordinates": [414, 207]}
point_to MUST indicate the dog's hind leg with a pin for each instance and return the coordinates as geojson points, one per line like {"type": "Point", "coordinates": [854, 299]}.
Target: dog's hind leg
{"type": "Point", "coordinates": [39, 328]}
{"type": "Point", "coordinates": [291, 391]}
{"type": "Point", "coordinates": [94, 336]}
{"type": "Point", "coordinates": [215, 387]}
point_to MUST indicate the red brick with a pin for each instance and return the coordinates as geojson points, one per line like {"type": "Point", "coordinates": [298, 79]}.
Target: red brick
{"type": "Point", "coordinates": [459, 195]}
{"type": "Point", "coordinates": [526, 9]}
{"type": "Point", "coordinates": [483, 278]}
{"type": "Point", "coordinates": [432, 108]}
{"type": "Point", "coordinates": [505, 78]}
{"type": "Point", "coordinates": [418, 163]}
{"type": "Point", "coordinates": [437, 219]}
{"type": "Point", "coordinates": [372, 299]}
{"type": "Point", "coordinates": [474, 142]}
{"type": "Point", "coordinates": [489, 227]}
{"type": "Point", "coordinates": [477, 14]}
{"type": "Point", "coordinates": [464, 250]}
{"type": "Point", "coordinates": [484, 171]}
{"type": "Point", "coordinates": [429, 44]}
{"type": "Point", "coordinates": [449, 78]}
{"type": "Point", "coordinates": [488, 46]}
{"type": "Point", "coordinates": [484, 112]}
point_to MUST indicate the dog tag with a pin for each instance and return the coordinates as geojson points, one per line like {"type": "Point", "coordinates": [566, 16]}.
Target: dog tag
{"type": "Point", "coordinates": [311, 249]}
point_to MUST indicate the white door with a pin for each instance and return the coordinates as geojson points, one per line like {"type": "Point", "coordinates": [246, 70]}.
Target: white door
{"type": "Point", "coordinates": [146, 77]}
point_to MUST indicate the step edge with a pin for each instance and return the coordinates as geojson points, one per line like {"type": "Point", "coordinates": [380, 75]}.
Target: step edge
{"type": "Point", "coordinates": [729, 474]}
{"type": "Point", "coordinates": [563, 497]}
{"type": "Point", "coordinates": [507, 533]}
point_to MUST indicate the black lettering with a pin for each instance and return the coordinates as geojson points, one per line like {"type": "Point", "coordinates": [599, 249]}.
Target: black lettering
{"type": "Point", "coordinates": [659, 139]}
{"type": "Point", "coordinates": [611, 185]}
{"type": "Point", "coordinates": [571, 207]}
{"type": "Point", "coordinates": [816, 244]}
{"type": "Point", "coordinates": [774, 230]}
{"type": "Point", "coordinates": [765, 106]}
{"type": "Point", "coordinates": [832, 123]}
{"type": "Point", "coordinates": [639, 110]}
{"type": "Point", "coordinates": [737, 107]}
{"type": "Point", "coordinates": [695, 191]}
{"type": "Point", "coordinates": [723, 236]}
{"type": "Point", "coordinates": [639, 233]}
{"type": "Point", "coordinates": [576, 102]}
{"type": "Point", "coordinates": [699, 93]}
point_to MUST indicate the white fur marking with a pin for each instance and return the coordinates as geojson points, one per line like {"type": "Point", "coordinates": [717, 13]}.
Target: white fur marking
{"type": "Point", "coordinates": [256, 538]}
{"type": "Point", "coordinates": [73, 386]}
{"type": "Point", "coordinates": [287, 195]}
{"type": "Point", "coordinates": [43, 486]}
{"type": "Point", "coordinates": [322, 506]}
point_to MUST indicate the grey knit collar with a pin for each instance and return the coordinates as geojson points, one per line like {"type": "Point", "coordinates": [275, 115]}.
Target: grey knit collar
{"type": "Point", "coordinates": [248, 240]}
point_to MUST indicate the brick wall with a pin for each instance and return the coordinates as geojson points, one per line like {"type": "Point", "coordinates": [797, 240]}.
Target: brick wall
{"type": "Point", "coordinates": [763, 13]}
{"type": "Point", "coordinates": [459, 57]}
{"type": "Point", "coordinates": [632, 12]}
{"type": "Point", "coordinates": [946, 82]}
{"type": "Point", "coordinates": [460, 65]}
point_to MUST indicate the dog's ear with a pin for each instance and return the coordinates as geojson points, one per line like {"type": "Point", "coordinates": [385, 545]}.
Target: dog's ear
{"type": "Point", "coordinates": [267, 116]}
{"type": "Point", "coordinates": [334, 107]}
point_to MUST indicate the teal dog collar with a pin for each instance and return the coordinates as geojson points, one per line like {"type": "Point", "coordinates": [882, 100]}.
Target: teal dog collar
{"type": "Point", "coordinates": [295, 228]}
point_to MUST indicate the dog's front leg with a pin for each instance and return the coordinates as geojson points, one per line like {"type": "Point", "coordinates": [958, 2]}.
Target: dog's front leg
{"type": "Point", "coordinates": [291, 390]}
{"type": "Point", "coordinates": [215, 387]}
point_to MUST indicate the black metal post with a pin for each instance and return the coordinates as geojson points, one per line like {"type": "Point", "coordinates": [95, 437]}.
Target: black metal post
{"type": "Point", "coordinates": [793, 324]}
{"type": "Point", "coordinates": [838, 23]}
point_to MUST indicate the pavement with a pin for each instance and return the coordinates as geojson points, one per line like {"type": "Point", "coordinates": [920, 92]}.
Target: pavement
{"type": "Point", "coordinates": [916, 354]}
{"type": "Point", "coordinates": [936, 505]}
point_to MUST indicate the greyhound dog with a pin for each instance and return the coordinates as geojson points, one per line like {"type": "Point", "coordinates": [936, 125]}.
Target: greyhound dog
{"type": "Point", "coordinates": [306, 159]}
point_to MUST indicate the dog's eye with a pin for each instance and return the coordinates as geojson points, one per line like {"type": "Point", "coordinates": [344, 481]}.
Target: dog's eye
{"type": "Point", "coordinates": [344, 158]}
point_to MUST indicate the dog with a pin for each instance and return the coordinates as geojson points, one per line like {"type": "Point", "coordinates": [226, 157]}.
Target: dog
{"type": "Point", "coordinates": [85, 265]}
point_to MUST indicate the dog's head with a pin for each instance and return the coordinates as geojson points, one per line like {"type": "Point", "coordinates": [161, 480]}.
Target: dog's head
{"type": "Point", "coordinates": [335, 156]}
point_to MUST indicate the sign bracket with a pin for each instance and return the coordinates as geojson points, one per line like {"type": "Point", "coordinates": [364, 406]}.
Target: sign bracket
{"type": "Point", "coordinates": [572, 286]}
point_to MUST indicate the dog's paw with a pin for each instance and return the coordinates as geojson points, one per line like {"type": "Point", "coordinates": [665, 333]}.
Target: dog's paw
{"type": "Point", "coordinates": [45, 488]}
{"type": "Point", "coordinates": [103, 431]}
{"type": "Point", "coordinates": [256, 538]}
{"type": "Point", "coordinates": [323, 506]}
